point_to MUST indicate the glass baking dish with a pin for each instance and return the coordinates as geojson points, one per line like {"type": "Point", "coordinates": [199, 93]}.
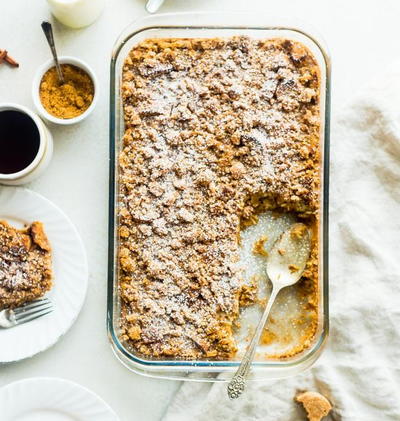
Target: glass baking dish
{"type": "Point", "coordinates": [214, 25]}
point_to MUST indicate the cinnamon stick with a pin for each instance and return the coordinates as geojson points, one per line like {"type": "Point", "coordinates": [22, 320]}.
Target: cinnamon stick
{"type": "Point", "coordinates": [3, 54]}
{"type": "Point", "coordinates": [11, 61]}
{"type": "Point", "coordinates": [6, 57]}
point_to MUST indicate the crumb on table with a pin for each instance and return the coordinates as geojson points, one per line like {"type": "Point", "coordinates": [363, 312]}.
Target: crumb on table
{"type": "Point", "coordinates": [315, 404]}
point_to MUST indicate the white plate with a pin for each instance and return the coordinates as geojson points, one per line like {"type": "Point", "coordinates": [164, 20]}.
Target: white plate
{"type": "Point", "coordinates": [20, 206]}
{"type": "Point", "coordinates": [51, 399]}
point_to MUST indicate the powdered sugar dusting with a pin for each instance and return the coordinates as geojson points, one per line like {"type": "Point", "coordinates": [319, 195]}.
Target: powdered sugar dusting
{"type": "Point", "coordinates": [212, 128]}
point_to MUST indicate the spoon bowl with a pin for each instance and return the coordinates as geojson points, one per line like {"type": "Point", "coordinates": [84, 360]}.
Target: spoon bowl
{"type": "Point", "coordinates": [287, 259]}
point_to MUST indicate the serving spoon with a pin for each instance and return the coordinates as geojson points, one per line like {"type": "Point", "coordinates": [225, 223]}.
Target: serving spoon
{"type": "Point", "coordinates": [153, 5]}
{"type": "Point", "coordinates": [48, 31]}
{"type": "Point", "coordinates": [285, 265]}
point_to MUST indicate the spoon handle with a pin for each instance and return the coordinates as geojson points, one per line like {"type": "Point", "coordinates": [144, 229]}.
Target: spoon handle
{"type": "Point", "coordinates": [153, 5]}
{"type": "Point", "coordinates": [48, 31]}
{"type": "Point", "coordinates": [237, 384]}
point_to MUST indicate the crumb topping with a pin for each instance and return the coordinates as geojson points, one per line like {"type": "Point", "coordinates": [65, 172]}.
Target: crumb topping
{"type": "Point", "coordinates": [215, 130]}
{"type": "Point", "coordinates": [258, 247]}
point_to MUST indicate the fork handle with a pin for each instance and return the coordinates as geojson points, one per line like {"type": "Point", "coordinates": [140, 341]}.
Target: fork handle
{"type": "Point", "coordinates": [238, 382]}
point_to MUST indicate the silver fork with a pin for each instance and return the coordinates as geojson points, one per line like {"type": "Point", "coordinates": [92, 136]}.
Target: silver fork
{"type": "Point", "coordinates": [26, 313]}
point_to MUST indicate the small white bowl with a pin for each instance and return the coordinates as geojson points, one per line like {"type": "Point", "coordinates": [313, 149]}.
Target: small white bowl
{"type": "Point", "coordinates": [36, 86]}
{"type": "Point", "coordinates": [43, 156]}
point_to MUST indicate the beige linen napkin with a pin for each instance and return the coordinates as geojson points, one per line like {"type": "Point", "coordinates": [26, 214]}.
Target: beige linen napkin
{"type": "Point", "coordinates": [360, 369]}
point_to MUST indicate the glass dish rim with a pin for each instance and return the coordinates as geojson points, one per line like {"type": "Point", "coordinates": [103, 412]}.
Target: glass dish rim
{"type": "Point", "coordinates": [140, 27]}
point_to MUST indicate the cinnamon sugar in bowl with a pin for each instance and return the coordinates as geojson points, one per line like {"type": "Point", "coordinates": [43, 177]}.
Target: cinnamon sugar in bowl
{"type": "Point", "coordinates": [66, 103]}
{"type": "Point", "coordinates": [69, 99]}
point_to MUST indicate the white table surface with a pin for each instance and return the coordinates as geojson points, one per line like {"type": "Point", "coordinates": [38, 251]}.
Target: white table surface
{"type": "Point", "coordinates": [362, 36]}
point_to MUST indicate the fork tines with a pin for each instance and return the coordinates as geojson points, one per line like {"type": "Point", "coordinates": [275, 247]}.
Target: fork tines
{"type": "Point", "coordinates": [33, 310]}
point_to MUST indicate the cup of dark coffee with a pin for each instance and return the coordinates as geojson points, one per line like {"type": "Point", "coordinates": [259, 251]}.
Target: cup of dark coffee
{"type": "Point", "coordinates": [26, 145]}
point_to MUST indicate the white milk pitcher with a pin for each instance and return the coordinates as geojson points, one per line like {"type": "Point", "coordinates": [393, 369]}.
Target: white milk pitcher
{"type": "Point", "coordinates": [76, 13]}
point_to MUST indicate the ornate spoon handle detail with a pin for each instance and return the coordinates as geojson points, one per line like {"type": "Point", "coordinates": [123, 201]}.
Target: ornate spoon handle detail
{"type": "Point", "coordinates": [237, 385]}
